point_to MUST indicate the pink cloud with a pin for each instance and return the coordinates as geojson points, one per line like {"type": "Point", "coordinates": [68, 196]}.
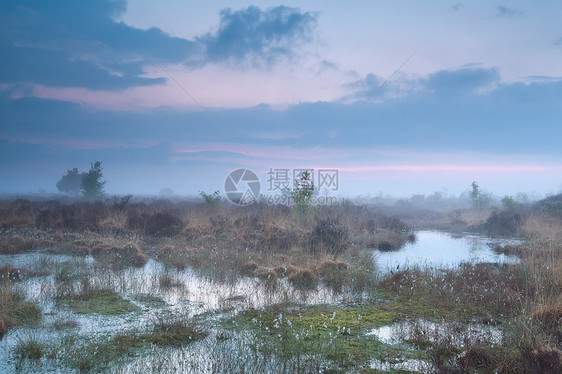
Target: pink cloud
{"type": "Point", "coordinates": [234, 89]}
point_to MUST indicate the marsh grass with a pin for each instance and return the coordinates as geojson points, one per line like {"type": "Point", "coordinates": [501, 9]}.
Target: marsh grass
{"type": "Point", "coordinates": [281, 257]}
{"type": "Point", "coordinates": [103, 302]}
{"type": "Point", "coordinates": [173, 332]}
{"type": "Point", "coordinates": [28, 347]}
{"type": "Point", "coordinates": [19, 274]}
{"type": "Point", "coordinates": [120, 257]}
{"type": "Point", "coordinates": [470, 291]}
{"type": "Point", "coordinates": [92, 354]}
{"type": "Point", "coordinates": [14, 309]}
{"type": "Point", "coordinates": [330, 336]}
{"type": "Point", "coordinates": [106, 353]}
{"type": "Point", "coordinates": [173, 257]}
{"type": "Point", "coordinates": [167, 281]}
{"type": "Point", "coordinates": [18, 244]}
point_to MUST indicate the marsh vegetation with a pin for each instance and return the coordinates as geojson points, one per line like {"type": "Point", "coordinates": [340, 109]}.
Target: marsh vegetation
{"type": "Point", "coordinates": [162, 286]}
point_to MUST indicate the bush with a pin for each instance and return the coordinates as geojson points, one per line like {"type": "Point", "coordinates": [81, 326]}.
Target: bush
{"type": "Point", "coordinates": [303, 279]}
{"type": "Point", "coordinates": [333, 273]}
{"type": "Point", "coordinates": [551, 206]}
{"type": "Point", "coordinates": [156, 224]}
{"type": "Point", "coordinates": [328, 236]}
{"type": "Point", "coordinates": [506, 223]}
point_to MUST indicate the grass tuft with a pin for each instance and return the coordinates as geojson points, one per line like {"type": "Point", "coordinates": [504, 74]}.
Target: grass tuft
{"type": "Point", "coordinates": [28, 347]}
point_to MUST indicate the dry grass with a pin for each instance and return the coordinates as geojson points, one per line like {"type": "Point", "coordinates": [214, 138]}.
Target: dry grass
{"type": "Point", "coordinates": [17, 244]}
{"type": "Point", "coordinates": [304, 279]}
{"type": "Point", "coordinates": [173, 256]}
{"type": "Point", "coordinates": [119, 257]}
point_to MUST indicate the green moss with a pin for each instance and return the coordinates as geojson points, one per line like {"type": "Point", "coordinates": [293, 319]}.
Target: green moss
{"type": "Point", "coordinates": [335, 333]}
{"type": "Point", "coordinates": [101, 302]}
{"type": "Point", "coordinates": [330, 318]}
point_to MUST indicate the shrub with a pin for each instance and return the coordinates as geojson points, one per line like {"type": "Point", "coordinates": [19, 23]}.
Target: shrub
{"type": "Point", "coordinates": [157, 224]}
{"type": "Point", "coordinates": [551, 205]}
{"type": "Point", "coordinates": [328, 236]}
{"type": "Point", "coordinates": [303, 279]}
{"type": "Point", "coordinates": [506, 223]}
{"type": "Point", "coordinates": [333, 273]}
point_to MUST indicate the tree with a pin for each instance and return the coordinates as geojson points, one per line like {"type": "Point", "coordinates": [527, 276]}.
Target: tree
{"type": "Point", "coordinates": [475, 193]}
{"type": "Point", "coordinates": [212, 200]}
{"type": "Point", "coordinates": [71, 182]}
{"type": "Point", "coordinates": [92, 183]}
{"type": "Point", "coordinates": [479, 199]}
{"type": "Point", "coordinates": [302, 192]}
{"type": "Point", "coordinates": [509, 202]}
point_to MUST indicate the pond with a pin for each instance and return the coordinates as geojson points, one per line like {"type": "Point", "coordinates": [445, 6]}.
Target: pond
{"type": "Point", "coordinates": [191, 295]}
{"type": "Point", "coordinates": [188, 296]}
{"type": "Point", "coordinates": [439, 249]}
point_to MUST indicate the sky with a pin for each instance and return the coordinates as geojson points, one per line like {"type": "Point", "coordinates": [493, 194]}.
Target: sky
{"type": "Point", "coordinates": [399, 97]}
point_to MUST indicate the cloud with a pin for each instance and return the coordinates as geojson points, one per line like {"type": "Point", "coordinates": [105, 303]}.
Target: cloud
{"type": "Point", "coordinates": [558, 41]}
{"type": "Point", "coordinates": [60, 69]}
{"type": "Point", "coordinates": [379, 89]}
{"type": "Point", "coordinates": [66, 43]}
{"type": "Point", "coordinates": [508, 12]}
{"type": "Point", "coordinates": [262, 36]}
{"type": "Point", "coordinates": [448, 112]}
{"type": "Point", "coordinates": [462, 81]}
{"type": "Point", "coordinates": [80, 44]}
{"type": "Point", "coordinates": [366, 87]}
{"type": "Point", "coordinates": [50, 136]}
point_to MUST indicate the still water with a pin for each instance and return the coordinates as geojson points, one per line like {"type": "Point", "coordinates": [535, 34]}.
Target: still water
{"type": "Point", "coordinates": [438, 249]}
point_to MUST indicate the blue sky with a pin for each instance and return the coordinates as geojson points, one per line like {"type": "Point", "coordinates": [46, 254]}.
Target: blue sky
{"type": "Point", "coordinates": [401, 97]}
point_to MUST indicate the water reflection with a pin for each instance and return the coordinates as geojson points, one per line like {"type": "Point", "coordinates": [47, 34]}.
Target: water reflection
{"type": "Point", "coordinates": [444, 250]}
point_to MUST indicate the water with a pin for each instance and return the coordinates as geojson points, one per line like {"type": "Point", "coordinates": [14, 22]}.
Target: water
{"type": "Point", "coordinates": [455, 333]}
{"type": "Point", "coordinates": [199, 295]}
{"type": "Point", "coordinates": [437, 249]}
{"type": "Point", "coordinates": [195, 295]}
